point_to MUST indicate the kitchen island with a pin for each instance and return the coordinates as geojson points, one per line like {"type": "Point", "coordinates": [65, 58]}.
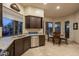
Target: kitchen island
{"type": "Point", "coordinates": [17, 45]}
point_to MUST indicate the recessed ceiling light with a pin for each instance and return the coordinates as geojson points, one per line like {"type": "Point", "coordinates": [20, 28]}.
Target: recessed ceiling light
{"type": "Point", "coordinates": [58, 7]}
{"type": "Point", "coordinates": [45, 3]}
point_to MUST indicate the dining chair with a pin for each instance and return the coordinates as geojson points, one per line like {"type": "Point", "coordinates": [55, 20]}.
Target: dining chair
{"type": "Point", "coordinates": [56, 38]}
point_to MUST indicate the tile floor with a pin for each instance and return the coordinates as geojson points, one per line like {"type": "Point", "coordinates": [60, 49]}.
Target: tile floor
{"type": "Point", "coordinates": [49, 49]}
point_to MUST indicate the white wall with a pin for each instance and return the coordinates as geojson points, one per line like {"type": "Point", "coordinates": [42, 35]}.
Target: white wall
{"type": "Point", "coordinates": [12, 15]}
{"type": "Point", "coordinates": [34, 11]}
{"type": "Point", "coordinates": [0, 31]}
{"type": "Point", "coordinates": [20, 7]}
{"type": "Point", "coordinates": [74, 34]}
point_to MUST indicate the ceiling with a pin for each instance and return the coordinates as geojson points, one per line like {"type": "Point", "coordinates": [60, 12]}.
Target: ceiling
{"type": "Point", "coordinates": [51, 11]}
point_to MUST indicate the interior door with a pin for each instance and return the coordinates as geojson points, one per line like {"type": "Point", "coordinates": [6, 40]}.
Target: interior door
{"type": "Point", "coordinates": [67, 29]}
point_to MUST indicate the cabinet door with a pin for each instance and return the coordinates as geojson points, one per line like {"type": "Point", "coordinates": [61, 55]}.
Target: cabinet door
{"type": "Point", "coordinates": [10, 50]}
{"type": "Point", "coordinates": [18, 47]}
{"type": "Point", "coordinates": [27, 22]}
{"type": "Point", "coordinates": [27, 43]}
{"type": "Point", "coordinates": [35, 22]}
{"type": "Point", "coordinates": [41, 40]}
{"type": "Point", "coordinates": [32, 22]}
{"type": "Point", "coordinates": [0, 14]}
{"type": "Point", "coordinates": [38, 22]}
{"type": "Point", "coordinates": [29, 40]}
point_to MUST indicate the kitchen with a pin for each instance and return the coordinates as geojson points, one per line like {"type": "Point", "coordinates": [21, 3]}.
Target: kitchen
{"type": "Point", "coordinates": [29, 29]}
{"type": "Point", "coordinates": [14, 40]}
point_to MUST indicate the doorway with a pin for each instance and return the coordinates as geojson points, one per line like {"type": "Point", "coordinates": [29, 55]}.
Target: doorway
{"type": "Point", "coordinates": [49, 29]}
{"type": "Point", "coordinates": [67, 31]}
{"type": "Point", "coordinates": [58, 27]}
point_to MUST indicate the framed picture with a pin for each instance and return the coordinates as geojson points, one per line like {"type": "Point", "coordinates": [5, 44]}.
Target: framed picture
{"type": "Point", "coordinates": [75, 26]}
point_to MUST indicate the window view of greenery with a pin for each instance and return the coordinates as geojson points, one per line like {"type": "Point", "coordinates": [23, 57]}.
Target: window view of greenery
{"type": "Point", "coordinates": [7, 27]}
{"type": "Point", "coordinates": [10, 27]}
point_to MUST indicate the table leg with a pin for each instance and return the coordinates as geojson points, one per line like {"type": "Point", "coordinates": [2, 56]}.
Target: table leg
{"type": "Point", "coordinates": [59, 41]}
{"type": "Point", "coordinates": [66, 41]}
{"type": "Point", "coordinates": [53, 40]}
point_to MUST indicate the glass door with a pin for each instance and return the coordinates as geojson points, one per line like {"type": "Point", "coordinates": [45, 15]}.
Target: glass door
{"type": "Point", "coordinates": [57, 27]}
{"type": "Point", "coordinates": [49, 29]}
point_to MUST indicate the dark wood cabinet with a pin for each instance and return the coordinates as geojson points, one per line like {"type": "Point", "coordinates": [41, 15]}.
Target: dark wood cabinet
{"type": "Point", "coordinates": [10, 50]}
{"type": "Point", "coordinates": [41, 40]}
{"type": "Point", "coordinates": [22, 45]}
{"type": "Point", "coordinates": [27, 43]}
{"type": "Point", "coordinates": [0, 14]}
{"type": "Point", "coordinates": [33, 22]}
{"type": "Point", "coordinates": [18, 47]}
{"type": "Point", "coordinates": [27, 22]}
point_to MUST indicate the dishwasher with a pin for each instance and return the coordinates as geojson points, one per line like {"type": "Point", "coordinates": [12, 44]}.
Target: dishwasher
{"type": "Point", "coordinates": [34, 41]}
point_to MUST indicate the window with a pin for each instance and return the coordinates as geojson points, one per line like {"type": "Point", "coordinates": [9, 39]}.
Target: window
{"type": "Point", "coordinates": [7, 29]}
{"type": "Point", "coordinates": [49, 28]}
{"type": "Point", "coordinates": [57, 27]}
{"type": "Point", "coordinates": [11, 27]}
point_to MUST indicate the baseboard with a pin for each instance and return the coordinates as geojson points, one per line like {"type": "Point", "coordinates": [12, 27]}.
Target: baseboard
{"type": "Point", "coordinates": [37, 46]}
{"type": "Point", "coordinates": [75, 42]}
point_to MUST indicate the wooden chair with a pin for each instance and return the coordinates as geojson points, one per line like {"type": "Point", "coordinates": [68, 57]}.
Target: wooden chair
{"type": "Point", "coordinates": [56, 38]}
{"type": "Point", "coordinates": [63, 39]}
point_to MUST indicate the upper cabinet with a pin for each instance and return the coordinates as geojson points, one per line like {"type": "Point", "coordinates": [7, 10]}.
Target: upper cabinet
{"type": "Point", "coordinates": [33, 22]}
{"type": "Point", "coordinates": [0, 14]}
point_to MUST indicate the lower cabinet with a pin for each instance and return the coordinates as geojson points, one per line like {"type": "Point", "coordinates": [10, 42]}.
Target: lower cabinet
{"type": "Point", "coordinates": [10, 50]}
{"type": "Point", "coordinates": [22, 45]}
{"type": "Point", "coordinates": [41, 40]}
{"type": "Point", "coordinates": [18, 47]}
{"type": "Point", "coordinates": [27, 43]}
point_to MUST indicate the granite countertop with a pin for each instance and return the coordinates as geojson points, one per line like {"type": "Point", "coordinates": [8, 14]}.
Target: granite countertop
{"type": "Point", "coordinates": [5, 42]}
